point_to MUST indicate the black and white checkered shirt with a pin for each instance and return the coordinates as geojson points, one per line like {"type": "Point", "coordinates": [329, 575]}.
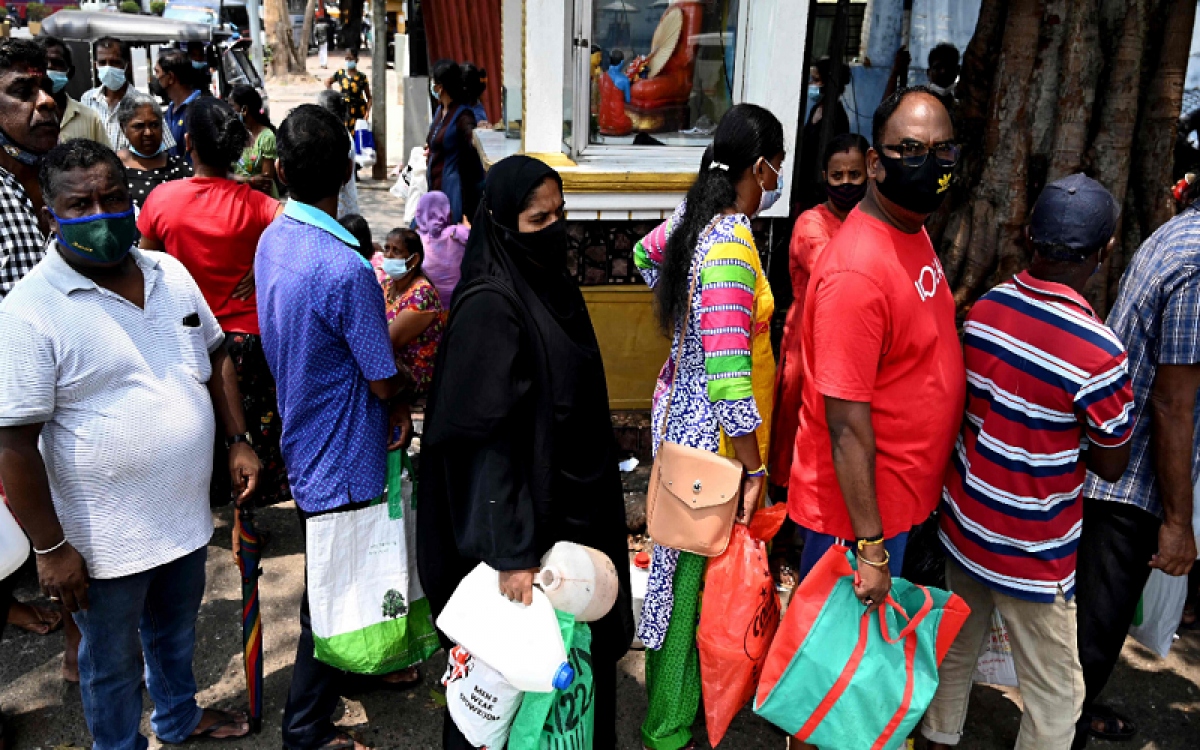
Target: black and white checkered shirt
{"type": "Point", "coordinates": [22, 243]}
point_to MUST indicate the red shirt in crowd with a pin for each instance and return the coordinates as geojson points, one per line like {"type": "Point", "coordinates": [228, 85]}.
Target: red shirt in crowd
{"type": "Point", "coordinates": [878, 327]}
{"type": "Point", "coordinates": [212, 225]}
{"type": "Point", "coordinates": [812, 233]}
{"type": "Point", "coordinates": [1042, 373]}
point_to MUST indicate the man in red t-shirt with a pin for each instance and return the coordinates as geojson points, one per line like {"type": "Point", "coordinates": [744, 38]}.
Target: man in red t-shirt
{"type": "Point", "coordinates": [883, 369]}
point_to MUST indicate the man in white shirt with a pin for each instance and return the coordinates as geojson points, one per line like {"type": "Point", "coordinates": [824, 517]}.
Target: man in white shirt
{"type": "Point", "coordinates": [111, 358]}
{"type": "Point", "coordinates": [114, 68]}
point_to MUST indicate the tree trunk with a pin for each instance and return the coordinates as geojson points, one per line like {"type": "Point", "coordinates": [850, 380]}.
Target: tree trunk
{"type": "Point", "coordinates": [379, 87]}
{"type": "Point", "coordinates": [284, 59]}
{"type": "Point", "coordinates": [310, 8]}
{"type": "Point", "coordinates": [1053, 87]}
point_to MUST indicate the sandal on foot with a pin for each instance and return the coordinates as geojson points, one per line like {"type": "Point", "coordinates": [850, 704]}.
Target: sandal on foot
{"type": "Point", "coordinates": [34, 619]}
{"type": "Point", "coordinates": [225, 720]}
{"type": "Point", "coordinates": [379, 683]}
{"type": "Point", "coordinates": [1117, 728]}
{"type": "Point", "coordinates": [343, 742]}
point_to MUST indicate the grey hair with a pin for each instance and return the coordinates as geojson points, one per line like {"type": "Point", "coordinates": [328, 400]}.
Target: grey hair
{"type": "Point", "coordinates": [333, 101]}
{"type": "Point", "coordinates": [129, 106]}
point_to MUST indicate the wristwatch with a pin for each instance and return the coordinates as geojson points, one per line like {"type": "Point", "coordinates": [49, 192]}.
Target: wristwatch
{"type": "Point", "coordinates": [245, 437]}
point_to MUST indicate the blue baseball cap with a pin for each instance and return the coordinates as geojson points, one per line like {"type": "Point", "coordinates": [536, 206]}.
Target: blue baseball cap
{"type": "Point", "coordinates": [1076, 213]}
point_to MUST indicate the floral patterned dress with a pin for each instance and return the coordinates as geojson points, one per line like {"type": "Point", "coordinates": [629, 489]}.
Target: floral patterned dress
{"type": "Point", "coordinates": [353, 85]}
{"type": "Point", "coordinates": [417, 356]}
{"type": "Point", "coordinates": [723, 389]}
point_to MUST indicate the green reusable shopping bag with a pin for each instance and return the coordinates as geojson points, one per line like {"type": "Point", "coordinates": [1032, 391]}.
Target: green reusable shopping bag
{"type": "Point", "coordinates": [842, 680]}
{"type": "Point", "coordinates": [369, 614]}
{"type": "Point", "coordinates": [563, 719]}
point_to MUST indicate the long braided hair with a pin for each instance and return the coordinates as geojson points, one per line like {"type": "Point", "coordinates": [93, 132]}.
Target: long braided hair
{"type": "Point", "coordinates": [745, 134]}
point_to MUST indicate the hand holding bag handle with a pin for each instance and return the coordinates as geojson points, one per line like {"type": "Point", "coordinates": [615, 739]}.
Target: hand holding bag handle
{"type": "Point", "coordinates": [694, 494]}
{"type": "Point", "coordinates": [913, 621]}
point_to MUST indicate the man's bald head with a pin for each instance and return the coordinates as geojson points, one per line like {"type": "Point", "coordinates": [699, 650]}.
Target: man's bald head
{"type": "Point", "coordinates": [914, 113]}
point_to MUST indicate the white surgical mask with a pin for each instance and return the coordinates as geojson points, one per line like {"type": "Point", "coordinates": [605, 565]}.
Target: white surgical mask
{"type": "Point", "coordinates": [58, 80]}
{"type": "Point", "coordinates": [395, 268]}
{"type": "Point", "coordinates": [111, 78]}
{"type": "Point", "coordinates": [770, 197]}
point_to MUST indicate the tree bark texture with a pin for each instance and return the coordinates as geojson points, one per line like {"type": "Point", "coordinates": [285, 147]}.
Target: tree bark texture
{"type": "Point", "coordinates": [306, 30]}
{"type": "Point", "coordinates": [1053, 87]}
{"type": "Point", "coordinates": [284, 58]}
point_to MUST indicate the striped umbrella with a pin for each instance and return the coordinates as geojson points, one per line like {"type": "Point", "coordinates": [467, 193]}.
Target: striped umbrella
{"type": "Point", "coordinates": [248, 556]}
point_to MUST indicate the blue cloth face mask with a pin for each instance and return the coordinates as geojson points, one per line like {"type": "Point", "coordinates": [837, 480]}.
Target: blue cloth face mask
{"type": "Point", "coordinates": [351, 65]}
{"type": "Point", "coordinates": [814, 92]}
{"type": "Point", "coordinates": [58, 80]}
{"type": "Point", "coordinates": [162, 146]}
{"type": "Point", "coordinates": [770, 197]}
{"type": "Point", "coordinates": [199, 64]}
{"type": "Point", "coordinates": [100, 238]}
{"type": "Point", "coordinates": [395, 268]}
{"type": "Point", "coordinates": [111, 78]}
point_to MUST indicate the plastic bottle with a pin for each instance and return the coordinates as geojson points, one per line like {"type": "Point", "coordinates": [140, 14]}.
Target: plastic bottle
{"type": "Point", "coordinates": [639, 579]}
{"type": "Point", "coordinates": [579, 580]}
{"type": "Point", "coordinates": [14, 546]}
{"type": "Point", "coordinates": [522, 643]}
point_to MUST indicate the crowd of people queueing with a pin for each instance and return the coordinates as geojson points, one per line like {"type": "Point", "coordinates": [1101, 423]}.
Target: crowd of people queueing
{"type": "Point", "coordinates": [288, 351]}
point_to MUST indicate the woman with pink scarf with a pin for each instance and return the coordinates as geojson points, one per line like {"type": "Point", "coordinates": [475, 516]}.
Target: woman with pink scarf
{"type": "Point", "coordinates": [444, 242]}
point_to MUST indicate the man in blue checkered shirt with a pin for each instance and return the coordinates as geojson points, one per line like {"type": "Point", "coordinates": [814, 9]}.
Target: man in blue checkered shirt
{"type": "Point", "coordinates": [1144, 520]}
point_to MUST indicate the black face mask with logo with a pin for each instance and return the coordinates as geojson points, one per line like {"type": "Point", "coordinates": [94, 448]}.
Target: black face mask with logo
{"type": "Point", "coordinates": [918, 189]}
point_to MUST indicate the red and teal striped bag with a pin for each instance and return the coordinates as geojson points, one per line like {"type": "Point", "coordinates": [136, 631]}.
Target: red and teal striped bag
{"type": "Point", "coordinates": [842, 680]}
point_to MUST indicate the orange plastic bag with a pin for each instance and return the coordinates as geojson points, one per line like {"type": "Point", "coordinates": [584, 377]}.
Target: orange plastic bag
{"type": "Point", "coordinates": [738, 619]}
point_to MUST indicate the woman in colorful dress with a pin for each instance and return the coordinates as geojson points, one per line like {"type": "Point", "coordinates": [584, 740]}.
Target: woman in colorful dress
{"type": "Point", "coordinates": [257, 165]}
{"type": "Point", "coordinates": [706, 275]}
{"type": "Point", "coordinates": [355, 88]}
{"type": "Point", "coordinates": [414, 309]}
{"type": "Point", "coordinates": [453, 166]}
{"type": "Point", "coordinates": [844, 175]}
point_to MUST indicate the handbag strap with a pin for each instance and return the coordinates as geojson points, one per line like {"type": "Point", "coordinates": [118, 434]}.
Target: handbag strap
{"type": "Point", "coordinates": [687, 317]}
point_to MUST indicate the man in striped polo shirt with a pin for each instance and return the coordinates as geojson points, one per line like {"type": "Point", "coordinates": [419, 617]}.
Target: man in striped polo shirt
{"type": "Point", "coordinates": [1045, 380]}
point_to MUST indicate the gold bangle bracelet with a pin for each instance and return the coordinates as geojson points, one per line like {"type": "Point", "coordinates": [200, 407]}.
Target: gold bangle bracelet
{"type": "Point", "coordinates": [886, 559]}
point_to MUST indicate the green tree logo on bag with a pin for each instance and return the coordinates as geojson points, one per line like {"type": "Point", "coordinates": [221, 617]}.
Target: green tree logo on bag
{"type": "Point", "coordinates": [393, 604]}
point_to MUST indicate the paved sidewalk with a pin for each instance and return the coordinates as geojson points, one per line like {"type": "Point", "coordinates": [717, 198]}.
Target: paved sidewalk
{"type": "Point", "coordinates": [1162, 695]}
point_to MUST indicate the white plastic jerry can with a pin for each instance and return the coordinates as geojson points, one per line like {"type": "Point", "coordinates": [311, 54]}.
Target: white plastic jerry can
{"type": "Point", "coordinates": [14, 545]}
{"type": "Point", "coordinates": [579, 580]}
{"type": "Point", "coordinates": [522, 643]}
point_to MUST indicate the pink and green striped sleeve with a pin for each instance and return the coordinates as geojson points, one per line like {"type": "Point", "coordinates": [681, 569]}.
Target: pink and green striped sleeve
{"type": "Point", "coordinates": [727, 283]}
{"type": "Point", "coordinates": [648, 252]}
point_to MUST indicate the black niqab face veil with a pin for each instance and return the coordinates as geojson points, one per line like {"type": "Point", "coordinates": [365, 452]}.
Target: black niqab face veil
{"type": "Point", "coordinates": [533, 265]}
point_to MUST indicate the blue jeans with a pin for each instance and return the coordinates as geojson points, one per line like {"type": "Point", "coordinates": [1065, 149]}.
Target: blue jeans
{"type": "Point", "coordinates": [817, 544]}
{"type": "Point", "coordinates": [150, 615]}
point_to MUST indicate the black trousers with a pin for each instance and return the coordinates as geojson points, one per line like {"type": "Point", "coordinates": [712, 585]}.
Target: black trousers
{"type": "Point", "coordinates": [315, 690]}
{"type": "Point", "coordinates": [604, 685]}
{"type": "Point", "coordinates": [1115, 548]}
{"type": "Point", "coordinates": [6, 597]}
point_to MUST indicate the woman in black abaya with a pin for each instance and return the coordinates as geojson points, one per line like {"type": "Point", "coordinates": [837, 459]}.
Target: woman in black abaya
{"type": "Point", "coordinates": [518, 451]}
